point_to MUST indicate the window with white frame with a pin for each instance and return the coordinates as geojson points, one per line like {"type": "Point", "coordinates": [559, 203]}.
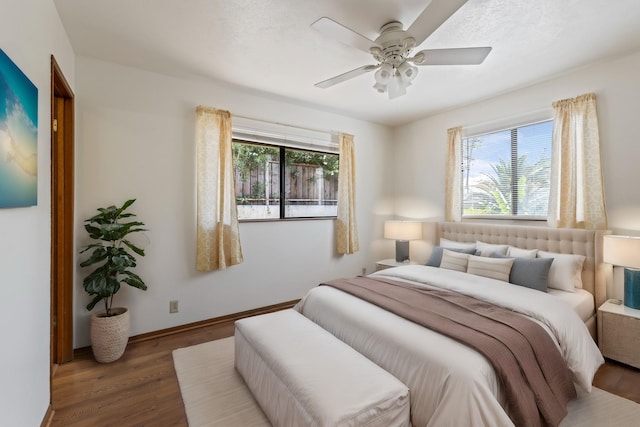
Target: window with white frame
{"type": "Point", "coordinates": [506, 173]}
{"type": "Point", "coordinates": [284, 173]}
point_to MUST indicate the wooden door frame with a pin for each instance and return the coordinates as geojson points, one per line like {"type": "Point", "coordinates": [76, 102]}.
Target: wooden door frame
{"type": "Point", "coordinates": [62, 218]}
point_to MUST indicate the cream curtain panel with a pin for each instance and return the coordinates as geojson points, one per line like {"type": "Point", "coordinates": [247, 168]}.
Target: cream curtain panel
{"type": "Point", "coordinates": [453, 180]}
{"type": "Point", "coordinates": [346, 227]}
{"type": "Point", "coordinates": [218, 238]}
{"type": "Point", "coordinates": [576, 198]}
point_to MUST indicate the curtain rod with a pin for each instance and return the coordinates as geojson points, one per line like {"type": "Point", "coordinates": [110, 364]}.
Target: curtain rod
{"type": "Point", "coordinates": [331, 132]}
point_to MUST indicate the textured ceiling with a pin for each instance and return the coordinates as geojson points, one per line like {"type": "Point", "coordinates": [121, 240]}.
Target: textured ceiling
{"type": "Point", "coordinates": [267, 46]}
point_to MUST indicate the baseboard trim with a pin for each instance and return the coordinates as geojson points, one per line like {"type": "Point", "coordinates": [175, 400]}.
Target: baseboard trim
{"type": "Point", "coordinates": [209, 322]}
{"type": "Point", "coordinates": [201, 324]}
{"type": "Point", "coordinates": [48, 417]}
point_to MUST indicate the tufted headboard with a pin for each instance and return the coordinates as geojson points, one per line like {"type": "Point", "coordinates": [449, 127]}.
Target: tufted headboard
{"type": "Point", "coordinates": [595, 273]}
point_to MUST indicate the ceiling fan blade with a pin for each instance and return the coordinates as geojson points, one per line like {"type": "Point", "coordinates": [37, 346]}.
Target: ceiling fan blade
{"type": "Point", "coordinates": [346, 76]}
{"type": "Point", "coordinates": [331, 28]}
{"type": "Point", "coordinates": [432, 17]}
{"type": "Point", "coordinates": [456, 56]}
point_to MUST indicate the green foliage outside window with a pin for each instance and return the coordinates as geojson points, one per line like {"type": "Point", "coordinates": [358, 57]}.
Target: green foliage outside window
{"type": "Point", "coordinates": [252, 156]}
{"type": "Point", "coordinates": [247, 157]}
{"type": "Point", "coordinates": [507, 173]}
{"type": "Point", "coordinates": [328, 162]}
{"type": "Point", "coordinates": [302, 182]}
{"type": "Point", "coordinates": [493, 193]}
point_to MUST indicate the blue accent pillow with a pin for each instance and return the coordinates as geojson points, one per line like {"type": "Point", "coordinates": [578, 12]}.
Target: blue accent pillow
{"type": "Point", "coordinates": [436, 254]}
{"type": "Point", "coordinates": [529, 272]}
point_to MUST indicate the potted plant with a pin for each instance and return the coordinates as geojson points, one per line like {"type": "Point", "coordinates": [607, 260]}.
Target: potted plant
{"type": "Point", "coordinates": [114, 255]}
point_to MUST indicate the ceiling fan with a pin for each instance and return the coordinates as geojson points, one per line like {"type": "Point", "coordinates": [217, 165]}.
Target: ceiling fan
{"type": "Point", "coordinates": [396, 68]}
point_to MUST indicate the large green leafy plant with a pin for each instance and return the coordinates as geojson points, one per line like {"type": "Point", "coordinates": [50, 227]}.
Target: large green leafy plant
{"type": "Point", "coordinates": [113, 252]}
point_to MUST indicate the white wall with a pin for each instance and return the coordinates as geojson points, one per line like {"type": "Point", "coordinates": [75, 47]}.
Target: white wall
{"type": "Point", "coordinates": [30, 32]}
{"type": "Point", "coordinates": [136, 140]}
{"type": "Point", "coordinates": [421, 145]}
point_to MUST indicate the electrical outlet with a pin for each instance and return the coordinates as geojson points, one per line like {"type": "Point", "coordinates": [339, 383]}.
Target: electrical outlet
{"type": "Point", "coordinates": [364, 271]}
{"type": "Point", "coordinates": [173, 306]}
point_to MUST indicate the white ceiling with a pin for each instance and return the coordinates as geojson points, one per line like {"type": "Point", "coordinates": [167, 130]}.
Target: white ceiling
{"type": "Point", "coordinates": [267, 46]}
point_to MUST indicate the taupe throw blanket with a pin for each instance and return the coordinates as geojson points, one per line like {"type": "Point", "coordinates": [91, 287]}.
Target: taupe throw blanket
{"type": "Point", "coordinates": [537, 381]}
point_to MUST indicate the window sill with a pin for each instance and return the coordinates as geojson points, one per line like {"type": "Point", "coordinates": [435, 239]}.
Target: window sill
{"type": "Point", "coordinates": [315, 218]}
{"type": "Point", "coordinates": [505, 217]}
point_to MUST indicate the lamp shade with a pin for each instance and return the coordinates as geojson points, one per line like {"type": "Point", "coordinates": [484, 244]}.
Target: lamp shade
{"type": "Point", "coordinates": [621, 250]}
{"type": "Point", "coordinates": [403, 230]}
{"type": "Point", "coordinates": [625, 251]}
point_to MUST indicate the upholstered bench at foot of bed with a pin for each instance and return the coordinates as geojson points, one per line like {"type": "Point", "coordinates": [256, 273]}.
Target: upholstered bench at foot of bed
{"type": "Point", "coordinates": [301, 375]}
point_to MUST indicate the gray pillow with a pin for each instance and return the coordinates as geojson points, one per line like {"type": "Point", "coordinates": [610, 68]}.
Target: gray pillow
{"type": "Point", "coordinates": [529, 272]}
{"type": "Point", "coordinates": [436, 255]}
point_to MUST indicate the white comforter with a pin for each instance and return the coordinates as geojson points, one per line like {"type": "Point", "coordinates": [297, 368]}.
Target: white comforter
{"type": "Point", "coordinates": [451, 384]}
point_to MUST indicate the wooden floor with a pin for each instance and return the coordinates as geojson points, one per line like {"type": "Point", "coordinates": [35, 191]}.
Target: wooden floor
{"type": "Point", "coordinates": [141, 389]}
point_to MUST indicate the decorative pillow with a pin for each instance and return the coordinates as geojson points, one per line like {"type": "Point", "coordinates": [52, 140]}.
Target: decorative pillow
{"type": "Point", "coordinates": [521, 253]}
{"type": "Point", "coordinates": [486, 249]}
{"type": "Point", "coordinates": [451, 244]}
{"type": "Point", "coordinates": [566, 270]}
{"type": "Point", "coordinates": [436, 255]}
{"type": "Point", "coordinates": [530, 272]}
{"type": "Point", "coordinates": [454, 260]}
{"type": "Point", "coordinates": [495, 268]}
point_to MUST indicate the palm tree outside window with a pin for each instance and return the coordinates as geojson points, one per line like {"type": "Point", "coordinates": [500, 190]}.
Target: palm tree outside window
{"type": "Point", "coordinates": [507, 173]}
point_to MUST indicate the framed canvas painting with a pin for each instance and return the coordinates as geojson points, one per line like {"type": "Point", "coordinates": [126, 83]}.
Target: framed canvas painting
{"type": "Point", "coordinates": [18, 137]}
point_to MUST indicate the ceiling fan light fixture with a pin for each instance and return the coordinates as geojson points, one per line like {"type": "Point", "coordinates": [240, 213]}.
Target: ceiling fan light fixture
{"type": "Point", "coordinates": [395, 68]}
{"type": "Point", "coordinates": [380, 87]}
{"type": "Point", "coordinates": [396, 88]}
{"type": "Point", "coordinates": [407, 72]}
{"type": "Point", "coordinates": [384, 74]}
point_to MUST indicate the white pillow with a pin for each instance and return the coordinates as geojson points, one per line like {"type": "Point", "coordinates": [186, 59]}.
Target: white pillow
{"type": "Point", "coordinates": [521, 253]}
{"type": "Point", "coordinates": [454, 260]}
{"type": "Point", "coordinates": [451, 244]}
{"type": "Point", "coordinates": [566, 270]}
{"type": "Point", "coordinates": [486, 249]}
{"type": "Point", "coordinates": [496, 268]}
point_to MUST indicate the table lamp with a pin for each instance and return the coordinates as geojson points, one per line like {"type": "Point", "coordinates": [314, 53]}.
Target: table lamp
{"type": "Point", "coordinates": [402, 232]}
{"type": "Point", "coordinates": [625, 251]}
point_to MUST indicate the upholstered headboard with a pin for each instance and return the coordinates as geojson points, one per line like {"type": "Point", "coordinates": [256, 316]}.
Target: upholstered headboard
{"type": "Point", "coordinates": [595, 272]}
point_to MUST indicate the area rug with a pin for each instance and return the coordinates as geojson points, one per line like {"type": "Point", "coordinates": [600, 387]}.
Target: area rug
{"type": "Point", "coordinates": [214, 394]}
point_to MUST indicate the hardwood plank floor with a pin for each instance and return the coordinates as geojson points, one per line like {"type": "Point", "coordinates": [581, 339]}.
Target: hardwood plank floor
{"type": "Point", "coordinates": [141, 389]}
{"type": "Point", "coordinates": [619, 379]}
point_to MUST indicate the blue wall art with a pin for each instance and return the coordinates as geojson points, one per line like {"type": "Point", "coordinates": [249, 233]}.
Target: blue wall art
{"type": "Point", "coordinates": [18, 137]}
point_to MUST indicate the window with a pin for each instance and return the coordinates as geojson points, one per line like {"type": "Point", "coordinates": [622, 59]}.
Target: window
{"type": "Point", "coordinates": [306, 187]}
{"type": "Point", "coordinates": [507, 173]}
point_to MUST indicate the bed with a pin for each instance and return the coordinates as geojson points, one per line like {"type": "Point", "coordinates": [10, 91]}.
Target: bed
{"type": "Point", "coordinates": [450, 383]}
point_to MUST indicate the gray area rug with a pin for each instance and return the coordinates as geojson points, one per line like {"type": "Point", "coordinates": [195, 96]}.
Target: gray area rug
{"type": "Point", "coordinates": [214, 394]}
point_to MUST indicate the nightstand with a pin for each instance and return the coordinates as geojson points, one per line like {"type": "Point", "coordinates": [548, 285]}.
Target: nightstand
{"type": "Point", "coordinates": [619, 333]}
{"type": "Point", "coordinates": [391, 262]}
